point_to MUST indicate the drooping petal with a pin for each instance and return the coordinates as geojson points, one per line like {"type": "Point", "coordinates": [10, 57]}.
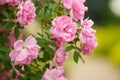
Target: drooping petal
{"type": "Point", "coordinates": [30, 41]}
{"type": "Point", "coordinates": [87, 23]}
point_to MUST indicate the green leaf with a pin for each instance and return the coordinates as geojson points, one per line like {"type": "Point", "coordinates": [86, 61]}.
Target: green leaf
{"type": "Point", "coordinates": [27, 69]}
{"type": "Point", "coordinates": [69, 48]}
{"type": "Point", "coordinates": [13, 74]}
{"type": "Point", "coordinates": [5, 13]}
{"type": "Point", "coordinates": [46, 3]}
{"type": "Point", "coordinates": [41, 42]}
{"type": "Point", "coordinates": [42, 12]}
{"type": "Point", "coordinates": [47, 34]}
{"type": "Point", "coordinates": [76, 48]}
{"type": "Point", "coordinates": [8, 59]}
{"type": "Point", "coordinates": [2, 56]}
{"type": "Point", "coordinates": [76, 57]}
{"type": "Point", "coordinates": [39, 34]}
{"type": "Point", "coordinates": [18, 25]}
{"type": "Point", "coordinates": [46, 56]}
{"type": "Point", "coordinates": [61, 8]}
{"type": "Point", "coordinates": [9, 25]}
{"type": "Point", "coordinates": [16, 32]}
{"type": "Point", "coordinates": [48, 13]}
{"type": "Point", "coordinates": [52, 6]}
{"type": "Point", "coordinates": [53, 44]}
{"type": "Point", "coordinates": [33, 76]}
{"type": "Point", "coordinates": [7, 65]}
{"type": "Point", "coordinates": [82, 58]}
{"type": "Point", "coordinates": [21, 78]}
{"type": "Point", "coordinates": [4, 49]}
{"type": "Point", "coordinates": [3, 40]}
{"type": "Point", "coordinates": [18, 67]}
{"type": "Point", "coordinates": [50, 50]}
{"type": "Point", "coordinates": [48, 27]}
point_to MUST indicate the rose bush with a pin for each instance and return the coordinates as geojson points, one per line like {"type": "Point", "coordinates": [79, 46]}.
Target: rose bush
{"type": "Point", "coordinates": [63, 27]}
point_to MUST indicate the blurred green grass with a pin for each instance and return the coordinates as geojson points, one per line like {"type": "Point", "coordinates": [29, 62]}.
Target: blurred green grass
{"type": "Point", "coordinates": [109, 43]}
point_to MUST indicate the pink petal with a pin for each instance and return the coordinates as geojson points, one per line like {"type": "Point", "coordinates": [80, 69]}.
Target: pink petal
{"type": "Point", "coordinates": [33, 51]}
{"type": "Point", "coordinates": [18, 44]}
{"type": "Point", "coordinates": [67, 3]}
{"type": "Point", "coordinates": [13, 55]}
{"type": "Point", "coordinates": [87, 23]}
{"type": "Point", "coordinates": [30, 41]}
{"type": "Point", "coordinates": [22, 55]}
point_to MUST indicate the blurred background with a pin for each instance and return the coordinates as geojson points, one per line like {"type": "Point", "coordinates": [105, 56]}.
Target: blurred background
{"type": "Point", "coordinates": [104, 63]}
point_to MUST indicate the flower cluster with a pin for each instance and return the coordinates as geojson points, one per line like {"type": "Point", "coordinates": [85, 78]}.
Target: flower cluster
{"type": "Point", "coordinates": [77, 8]}
{"type": "Point", "coordinates": [10, 2]}
{"type": "Point", "coordinates": [24, 51]}
{"type": "Point", "coordinates": [26, 13]}
{"type": "Point", "coordinates": [64, 30]}
{"type": "Point", "coordinates": [87, 37]}
{"type": "Point", "coordinates": [47, 52]}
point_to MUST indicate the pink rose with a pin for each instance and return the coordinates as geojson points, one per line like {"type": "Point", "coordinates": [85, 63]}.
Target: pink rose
{"type": "Point", "coordinates": [77, 8]}
{"type": "Point", "coordinates": [10, 2]}
{"type": "Point", "coordinates": [63, 29]}
{"type": "Point", "coordinates": [60, 57]}
{"type": "Point", "coordinates": [12, 38]}
{"type": "Point", "coordinates": [54, 74]}
{"type": "Point", "coordinates": [24, 51]}
{"type": "Point", "coordinates": [26, 13]}
{"type": "Point", "coordinates": [2, 2]}
{"type": "Point", "coordinates": [14, 2]}
{"type": "Point", "coordinates": [88, 47]}
{"type": "Point", "coordinates": [87, 37]}
{"type": "Point", "coordinates": [86, 33]}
